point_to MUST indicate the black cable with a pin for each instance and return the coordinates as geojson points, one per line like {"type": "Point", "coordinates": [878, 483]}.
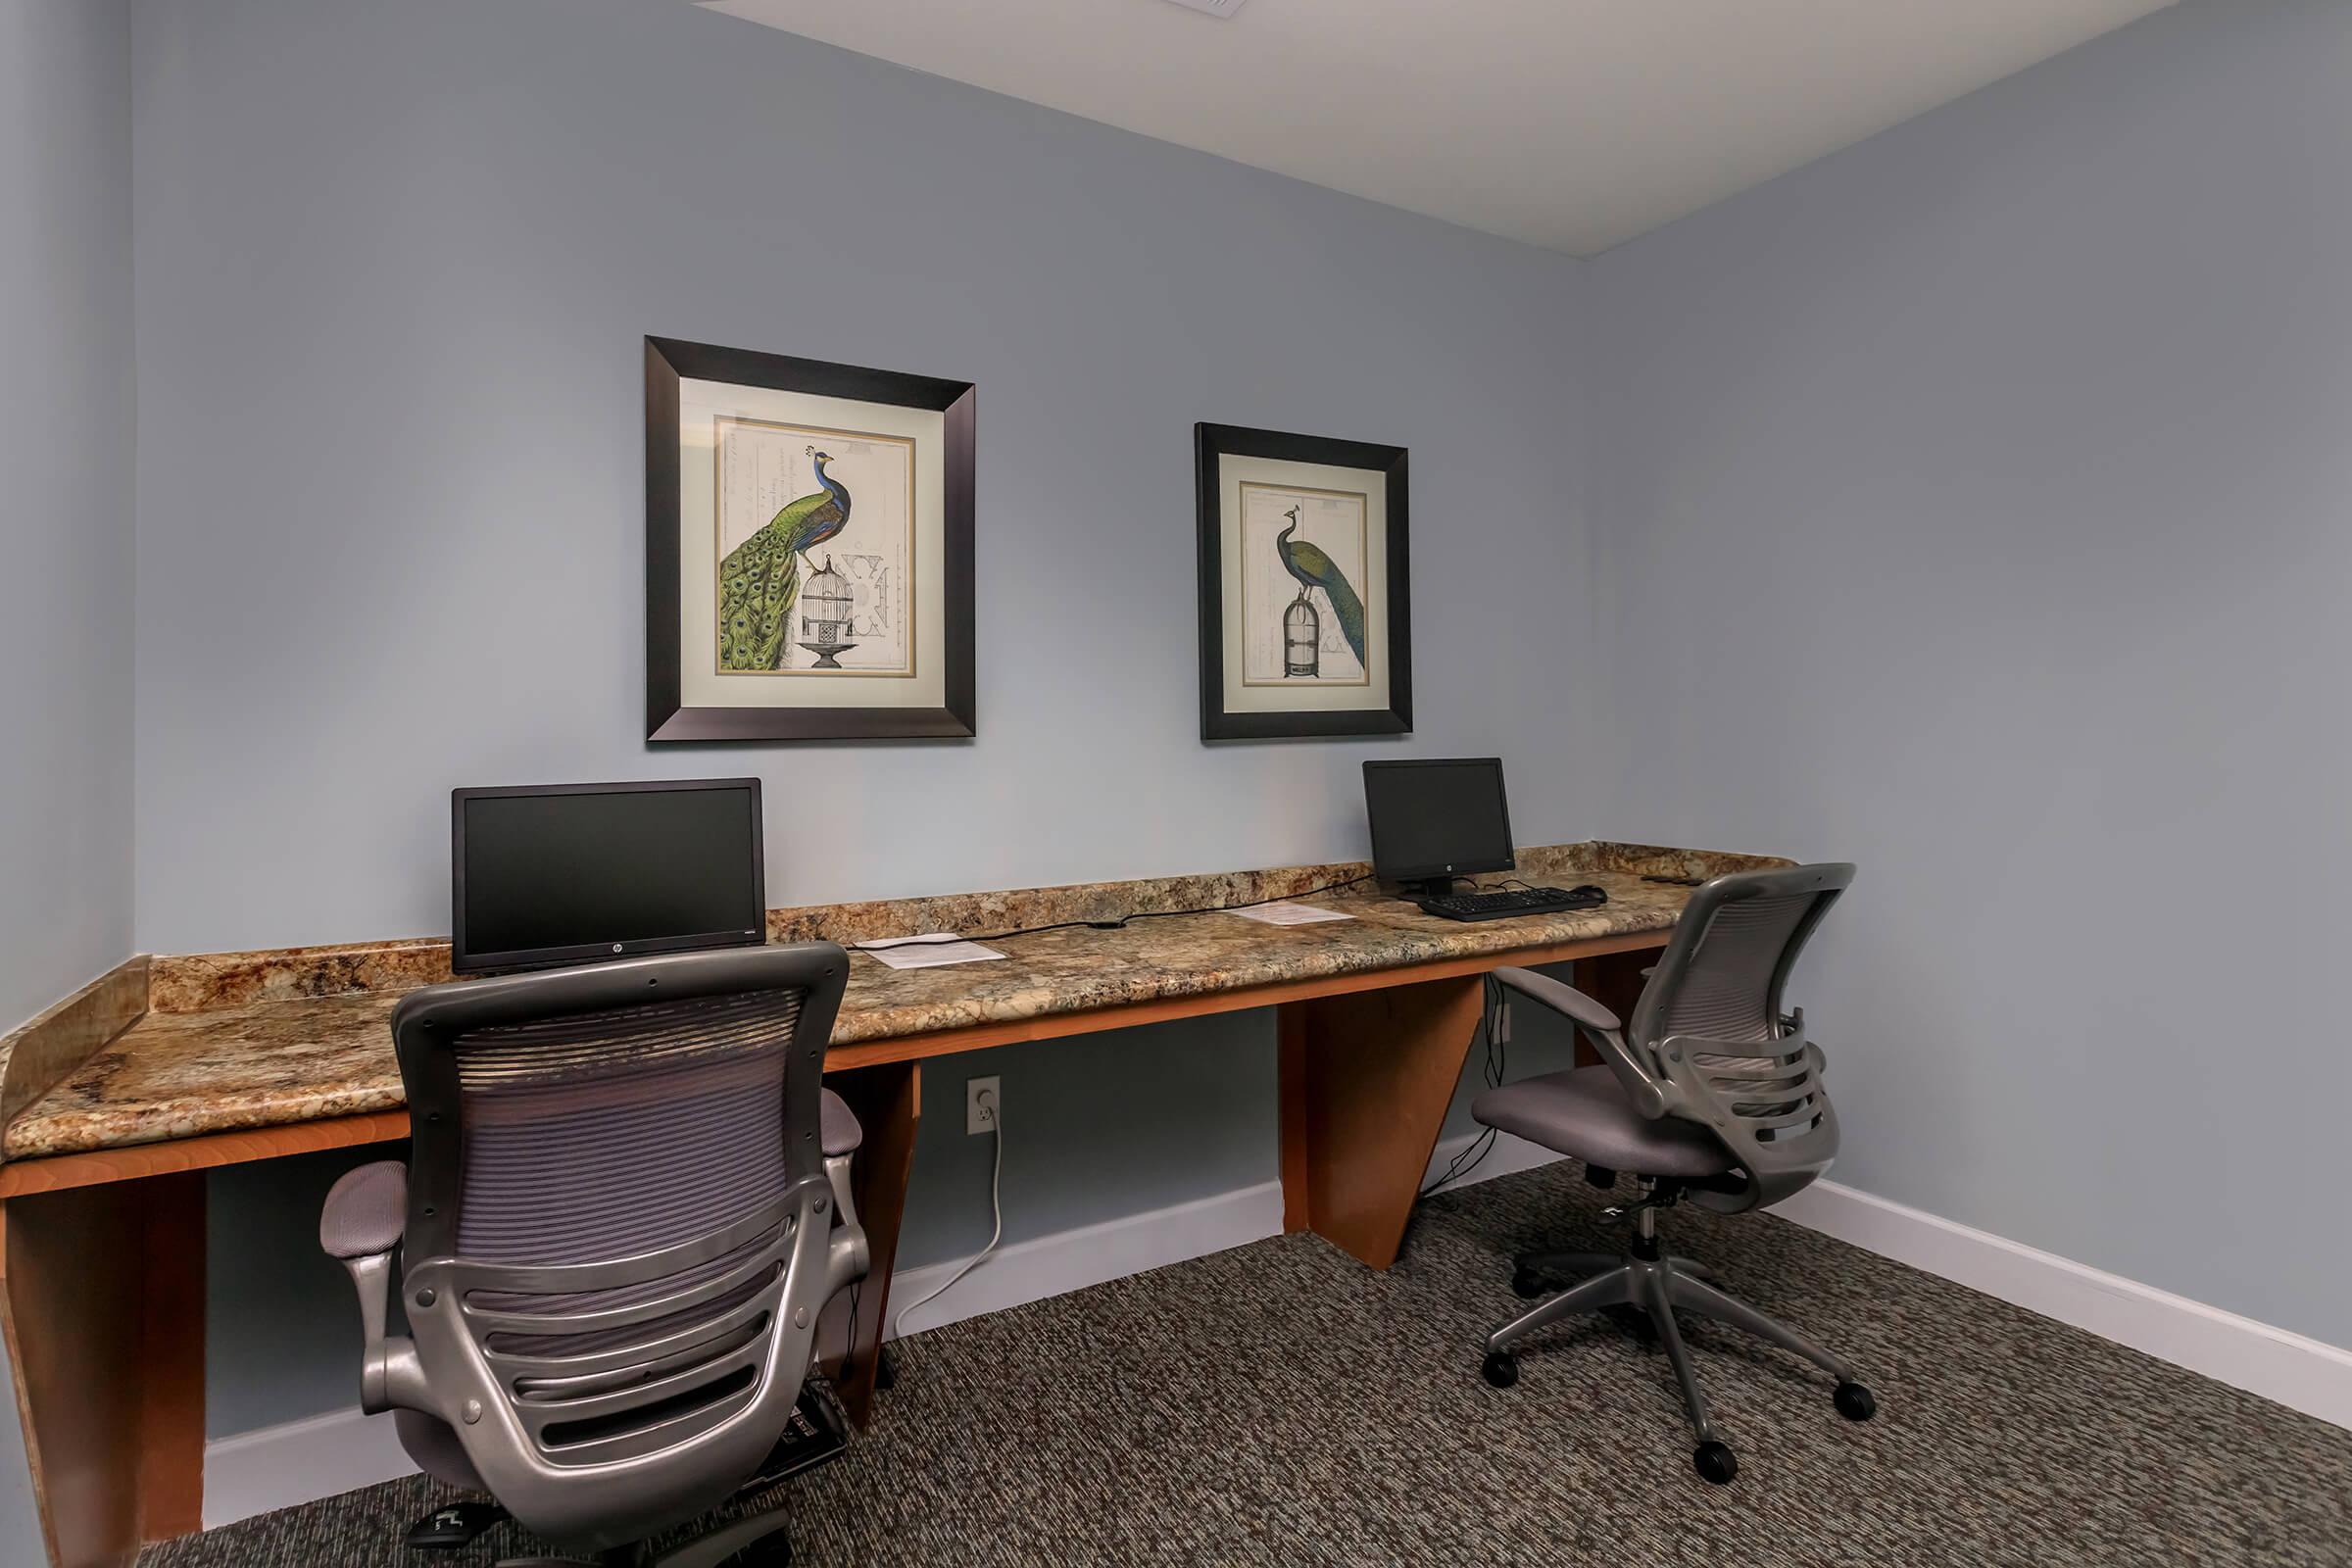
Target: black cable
{"type": "Point", "coordinates": [1120, 923]}
{"type": "Point", "coordinates": [1464, 1162]}
{"type": "Point", "coordinates": [1497, 1072]}
{"type": "Point", "coordinates": [848, 1357]}
{"type": "Point", "coordinates": [1494, 1070]}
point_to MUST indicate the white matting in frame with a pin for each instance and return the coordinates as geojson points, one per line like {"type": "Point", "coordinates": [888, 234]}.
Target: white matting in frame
{"type": "Point", "coordinates": [741, 448]}
{"type": "Point", "coordinates": [1343, 515]}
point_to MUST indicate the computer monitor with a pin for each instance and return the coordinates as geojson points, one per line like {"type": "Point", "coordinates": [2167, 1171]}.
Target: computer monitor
{"type": "Point", "coordinates": [567, 873]}
{"type": "Point", "coordinates": [1434, 820]}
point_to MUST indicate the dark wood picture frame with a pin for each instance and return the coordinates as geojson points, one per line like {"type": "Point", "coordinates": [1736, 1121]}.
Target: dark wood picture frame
{"type": "Point", "coordinates": [668, 717]}
{"type": "Point", "coordinates": [1213, 441]}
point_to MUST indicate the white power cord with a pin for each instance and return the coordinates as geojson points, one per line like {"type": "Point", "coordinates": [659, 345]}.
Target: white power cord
{"type": "Point", "coordinates": [996, 1204]}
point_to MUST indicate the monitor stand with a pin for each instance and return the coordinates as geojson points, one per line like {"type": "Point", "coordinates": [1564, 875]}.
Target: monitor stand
{"type": "Point", "coordinates": [1427, 887]}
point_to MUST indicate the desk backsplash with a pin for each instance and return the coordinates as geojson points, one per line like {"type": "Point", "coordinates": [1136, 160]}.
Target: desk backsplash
{"type": "Point", "coordinates": [198, 981]}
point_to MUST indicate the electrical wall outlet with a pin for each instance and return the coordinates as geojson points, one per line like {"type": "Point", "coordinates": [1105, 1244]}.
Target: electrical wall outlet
{"type": "Point", "coordinates": [978, 1117]}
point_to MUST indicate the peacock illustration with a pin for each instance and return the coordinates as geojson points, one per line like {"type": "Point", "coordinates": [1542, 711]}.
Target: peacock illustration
{"type": "Point", "coordinates": [1316, 569]}
{"type": "Point", "coordinates": [760, 577]}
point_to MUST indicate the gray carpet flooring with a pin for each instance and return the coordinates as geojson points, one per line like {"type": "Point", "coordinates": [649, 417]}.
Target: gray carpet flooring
{"type": "Point", "coordinates": [1279, 1404]}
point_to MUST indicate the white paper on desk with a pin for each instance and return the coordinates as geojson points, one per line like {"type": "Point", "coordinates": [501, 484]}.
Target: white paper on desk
{"type": "Point", "coordinates": [1283, 912]}
{"type": "Point", "coordinates": [932, 952]}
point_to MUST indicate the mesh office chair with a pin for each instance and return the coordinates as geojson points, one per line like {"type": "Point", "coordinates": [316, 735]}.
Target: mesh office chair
{"type": "Point", "coordinates": [1713, 1094]}
{"type": "Point", "coordinates": [628, 1208]}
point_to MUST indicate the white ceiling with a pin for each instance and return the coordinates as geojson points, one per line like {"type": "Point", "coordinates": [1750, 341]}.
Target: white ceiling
{"type": "Point", "coordinates": [1573, 124]}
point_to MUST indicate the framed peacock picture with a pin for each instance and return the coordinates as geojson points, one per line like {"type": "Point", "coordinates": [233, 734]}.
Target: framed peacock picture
{"type": "Point", "coordinates": [809, 549]}
{"type": "Point", "coordinates": [1305, 593]}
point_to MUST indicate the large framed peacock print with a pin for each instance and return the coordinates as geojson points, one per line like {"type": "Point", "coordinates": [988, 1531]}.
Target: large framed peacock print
{"type": "Point", "coordinates": [1306, 586]}
{"type": "Point", "coordinates": [808, 549]}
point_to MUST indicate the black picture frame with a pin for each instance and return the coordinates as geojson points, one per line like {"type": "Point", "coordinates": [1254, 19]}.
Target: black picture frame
{"type": "Point", "coordinates": [667, 717]}
{"type": "Point", "coordinates": [1213, 441]}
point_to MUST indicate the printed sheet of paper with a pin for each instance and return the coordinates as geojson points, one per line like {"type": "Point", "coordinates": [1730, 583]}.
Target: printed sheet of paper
{"type": "Point", "coordinates": [1283, 912]}
{"type": "Point", "coordinates": [933, 951]}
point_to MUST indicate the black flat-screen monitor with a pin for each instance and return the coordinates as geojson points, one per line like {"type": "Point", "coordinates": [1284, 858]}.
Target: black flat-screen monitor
{"type": "Point", "coordinates": [567, 873]}
{"type": "Point", "coordinates": [1439, 819]}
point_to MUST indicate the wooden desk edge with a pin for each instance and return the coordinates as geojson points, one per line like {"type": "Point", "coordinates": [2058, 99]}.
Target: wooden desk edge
{"type": "Point", "coordinates": [52, 1173]}
{"type": "Point", "coordinates": [1128, 1015]}
{"type": "Point", "coordinates": [130, 1161]}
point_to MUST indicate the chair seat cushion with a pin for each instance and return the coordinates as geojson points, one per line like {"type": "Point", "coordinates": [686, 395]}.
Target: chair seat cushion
{"type": "Point", "coordinates": [838, 1127]}
{"type": "Point", "coordinates": [1584, 1113]}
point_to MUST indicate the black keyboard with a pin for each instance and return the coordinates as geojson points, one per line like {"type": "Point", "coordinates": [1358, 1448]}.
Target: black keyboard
{"type": "Point", "coordinates": [1503, 903]}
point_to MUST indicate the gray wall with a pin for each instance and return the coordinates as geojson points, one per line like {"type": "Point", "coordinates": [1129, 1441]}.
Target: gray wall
{"type": "Point", "coordinates": [65, 436]}
{"type": "Point", "coordinates": [394, 264]}
{"type": "Point", "coordinates": [1973, 504]}
{"type": "Point", "coordinates": [394, 267]}
{"type": "Point", "coordinates": [66, 526]}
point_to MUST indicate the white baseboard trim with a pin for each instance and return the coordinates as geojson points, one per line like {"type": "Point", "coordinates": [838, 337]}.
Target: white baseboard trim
{"type": "Point", "coordinates": [297, 1462]}
{"type": "Point", "coordinates": [2292, 1369]}
{"type": "Point", "coordinates": [280, 1466]}
{"type": "Point", "coordinates": [2301, 1373]}
{"type": "Point", "coordinates": [1072, 1259]}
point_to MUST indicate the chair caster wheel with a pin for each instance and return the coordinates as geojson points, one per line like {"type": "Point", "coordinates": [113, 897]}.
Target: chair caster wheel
{"type": "Point", "coordinates": [1526, 1283]}
{"type": "Point", "coordinates": [1715, 1463]}
{"type": "Point", "coordinates": [1500, 1368]}
{"type": "Point", "coordinates": [1855, 1402]}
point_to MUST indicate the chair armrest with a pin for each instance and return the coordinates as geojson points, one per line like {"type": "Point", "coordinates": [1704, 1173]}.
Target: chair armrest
{"type": "Point", "coordinates": [1562, 999]}
{"type": "Point", "coordinates": [367, 1212]}
{"type": "Point", "coordinates": [837, 1128]}
{"type": "Point", "coordinates": [848, 1256]}
{"type": "Point", "coordinates": [1652, 1095]}
{"type": "Point", "coordinates": [365, 1217]}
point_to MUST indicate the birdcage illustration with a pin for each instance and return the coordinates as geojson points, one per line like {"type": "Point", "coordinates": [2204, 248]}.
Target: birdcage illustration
{"type": "Point", "coordinates": [1302, 637]}
{"type": "Point", "coordinates": [826, 607]}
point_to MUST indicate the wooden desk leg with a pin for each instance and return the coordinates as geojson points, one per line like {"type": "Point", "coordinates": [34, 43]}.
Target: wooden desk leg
{"type": "Point", "coordinates": [1366, 1078]}
{"type": "Point", "coordinates": [171, 1373]}
{"type": "Point", "coordinates": [888, 1101]}
{"type": "Point", "coordinates": [102, 1301]}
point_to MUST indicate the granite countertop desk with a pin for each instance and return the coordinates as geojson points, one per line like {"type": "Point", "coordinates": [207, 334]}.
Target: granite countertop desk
{"type": "Point", "coordinates": [118, 1101]}
{"type": "Point", "coordinates": [251, 1040]}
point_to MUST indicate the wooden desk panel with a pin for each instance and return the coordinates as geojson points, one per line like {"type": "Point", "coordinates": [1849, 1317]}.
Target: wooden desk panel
{"type": "Point", "coordinates": [103, 1311]}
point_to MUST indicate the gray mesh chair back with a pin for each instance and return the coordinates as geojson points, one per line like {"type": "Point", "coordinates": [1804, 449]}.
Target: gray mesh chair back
{"type": "Point", "coordinates": [617, 1247]}
{"type": "Point", "coordinates": [1709, 1025]}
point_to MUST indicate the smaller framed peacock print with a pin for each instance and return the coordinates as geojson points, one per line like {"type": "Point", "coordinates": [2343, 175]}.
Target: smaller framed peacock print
{"type": "Point", "coordinates": [1306, 586]}
{"type": "Point", "coordinates": [808, 549]}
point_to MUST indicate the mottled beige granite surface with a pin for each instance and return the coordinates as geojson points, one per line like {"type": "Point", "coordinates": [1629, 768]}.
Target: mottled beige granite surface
{"type": "Point", "coordinates": [255, 1040]}
{"type": "Point", "coordinates": [198, 982]}
{"type": "Point", "coordinates": [47, 1047]}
